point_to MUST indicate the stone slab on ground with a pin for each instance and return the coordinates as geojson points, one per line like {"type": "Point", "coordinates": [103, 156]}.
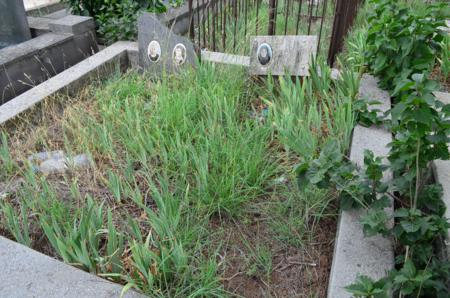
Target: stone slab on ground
{"type": "Point", "coordinates": [368, 89]}
{"type": "Point", "coordinates": [27, 273]}
{"type": "Point", "coordinates": [217, 57]}
{"type": "Point", "coordinates": [112, 58]}
{"type": "Point", "coordinates": [354, 253]}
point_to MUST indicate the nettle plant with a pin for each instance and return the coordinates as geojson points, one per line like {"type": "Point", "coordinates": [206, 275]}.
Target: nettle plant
{"type": "Point", "coordinates": [402, 41]}
{"type": "Point", "coordinates": [402, 50]}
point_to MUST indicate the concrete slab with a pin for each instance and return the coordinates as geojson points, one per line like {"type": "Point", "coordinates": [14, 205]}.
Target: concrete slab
{"type": "Point", "coordinates": [112, 58]}
{"type": "Point", "coordinates": [31, 47]}
{"type": "Point", "coordinates": [368, 89]}
{"type": "Point", "coordinates": [354, 253]}
{"type": "Point", "coordinates": [443, 96]}
{"type": "Point", "coordinates": [217, 57]}
{"type": "Point", "coordinates": [72, 24]}
{"type": "Point", "coordinates": [28, 274]}
{"type": "Point", "coordinates": [38, 25]}
{"type": "Point", "coordinates": [58, 14]}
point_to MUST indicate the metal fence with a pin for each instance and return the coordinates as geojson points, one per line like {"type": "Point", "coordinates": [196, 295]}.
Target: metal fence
{"type": "Point", "coordinates": [226, 25]}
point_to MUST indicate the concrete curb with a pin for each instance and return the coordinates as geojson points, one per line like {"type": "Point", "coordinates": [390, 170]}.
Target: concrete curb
{"type": "Point", "coordinates": [28, 273]}
{"type": "Point", "coordinates": [112, 58]}
{"type": "Point", "coordinates": [355, 254]}
{"type": "Point", "coordinates": [441, 171]}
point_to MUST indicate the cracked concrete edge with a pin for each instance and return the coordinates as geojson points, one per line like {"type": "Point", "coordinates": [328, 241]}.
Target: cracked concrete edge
{"type": "Point", "coordinates": [100, 64]}
{"type": "Point", "coordinates": [27, 273]}
{"type": "Point", "coordinates": [441, 171]}
{"type": "Point", "coordinates": [355, 254]}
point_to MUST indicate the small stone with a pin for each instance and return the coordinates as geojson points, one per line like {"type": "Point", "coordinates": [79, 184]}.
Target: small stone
{"type": "Point", "coordinates": [81, 161]}
{"type": "Point", "coordinates": [42, 156]}
{"type": "Point", "coordinates": [56, 162]}
{"type": "Point", "coordinates": [53, 166]}
{"type": "Point", "coordinates": [280, 180]}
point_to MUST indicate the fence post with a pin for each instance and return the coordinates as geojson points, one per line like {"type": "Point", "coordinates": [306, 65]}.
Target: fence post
{"type": "Point", "coordinates": [345, 14]}
{"type": "Point", "coordinates": [272, 14]}
{"type": "Point", "coordinates": [191, 20]}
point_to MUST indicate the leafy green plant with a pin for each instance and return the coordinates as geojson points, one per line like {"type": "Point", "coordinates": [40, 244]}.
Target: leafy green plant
{"type": "Point", "coordinates": [402, 41]}
{"type": "Point", "coordinates": [365, 287]}
{"type": "Point", "coordinates": [116, 19]}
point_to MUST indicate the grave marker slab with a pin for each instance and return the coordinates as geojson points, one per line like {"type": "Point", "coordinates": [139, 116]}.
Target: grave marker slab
{"type": "Point", "coordinates": [279, 55]}
{"type": "Point", "coordinates": [14, 25]}
{"type": "Point", "coordinates": [160, 49]}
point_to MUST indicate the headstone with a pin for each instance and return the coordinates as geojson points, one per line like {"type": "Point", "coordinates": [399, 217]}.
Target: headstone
{"type": "Point", "coordinates": [161, 50]}
{"type": "Point", "coordinates": [13, 25]}
{"type": "Point", "coordinates": [280, 55]}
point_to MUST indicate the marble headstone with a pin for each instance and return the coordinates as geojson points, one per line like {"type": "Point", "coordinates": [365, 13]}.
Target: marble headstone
{"type": "Point", "coordinates": [161, 50]}
{"type": "Point", "coordinates": [280, 55]}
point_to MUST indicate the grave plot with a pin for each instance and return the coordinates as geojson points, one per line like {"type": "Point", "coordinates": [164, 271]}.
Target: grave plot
{"type": "Point", "coordinates": [183, 186]}
{"type": "Point", "coordinates": [188, 178]}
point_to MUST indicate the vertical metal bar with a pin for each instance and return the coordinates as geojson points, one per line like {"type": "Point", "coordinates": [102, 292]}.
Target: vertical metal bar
{"type": "Point", "coordinates": [219, 17]}
{"type": "Point", "coordinates": [198, 25]}
{"type": "Point", "coordinates": [208, 39]}
{"type": "Point", "coordinates": [224, 34]}
{"type": "Point", "coordinates": [203, 23]}
{"type": "Point", "coordinates": [214, 25]}
{"type": "Point", "coordinates": [235, 23]}
{"type": "Point", "coordinates": [245, 16]}
{"type": "Point", "coordinates": [310, 10]}
{"type": "Point", "coordinates": [257, 16]}
{"type": "Point", "coordinates": [276, 16]}
{"type": "Point", "coordinates": [286, 15]}
{"type": "Point", "coordinates": [271, 17]}
{"type": "Point", "coordinates": [300, 6]}
{"type": "Point", "coordinates": [345, 14]}
{"type": "Point", "coordinates": [191, 23]}
{"type": "Point", "coordinates": [324, 12]}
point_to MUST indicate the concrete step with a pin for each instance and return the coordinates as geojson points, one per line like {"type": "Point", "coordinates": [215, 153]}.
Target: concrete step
{"type": "Point", "coordinates": [27, 273]}
{"type": "Point", "coordinates": [355, 254]}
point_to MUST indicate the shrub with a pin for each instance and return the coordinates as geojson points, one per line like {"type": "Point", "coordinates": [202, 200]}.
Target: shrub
{"type": "Point", "coordinates": [402, 41]}
{"type": "Point", "coordinates": [116, 19]}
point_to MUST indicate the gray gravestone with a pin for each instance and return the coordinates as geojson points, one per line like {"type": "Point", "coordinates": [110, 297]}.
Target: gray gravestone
{"type": "Point", "coordinates": [280, 55]}
{"type": "Point", "coordinates": [13, 25]}
{"type": "Point", "coordinates": [161, 50]}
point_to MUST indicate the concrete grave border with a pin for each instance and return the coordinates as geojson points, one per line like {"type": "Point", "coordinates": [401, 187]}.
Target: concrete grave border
{"type": "Point", "coordinates": [57, 45]}
{"type": "Point", "coordinates": [354, 253]}
{"type": "Point", "coordinates": [441, 171]}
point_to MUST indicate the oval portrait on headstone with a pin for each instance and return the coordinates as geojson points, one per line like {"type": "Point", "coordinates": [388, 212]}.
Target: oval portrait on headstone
{"type": "Point", "coordinates": [179, 54]}
{"type": "Point", "coordinates": [264, 54]}
{"type": "Point", "coordinates": [154, 51]}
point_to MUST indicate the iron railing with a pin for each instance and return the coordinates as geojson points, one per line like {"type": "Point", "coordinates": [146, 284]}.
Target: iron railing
{"type": "Point", "coordinates": [226, 25]}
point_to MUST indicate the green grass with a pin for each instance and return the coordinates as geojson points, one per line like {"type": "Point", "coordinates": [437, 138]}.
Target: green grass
{"type": "Point", "coordinates": [169, 156]}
